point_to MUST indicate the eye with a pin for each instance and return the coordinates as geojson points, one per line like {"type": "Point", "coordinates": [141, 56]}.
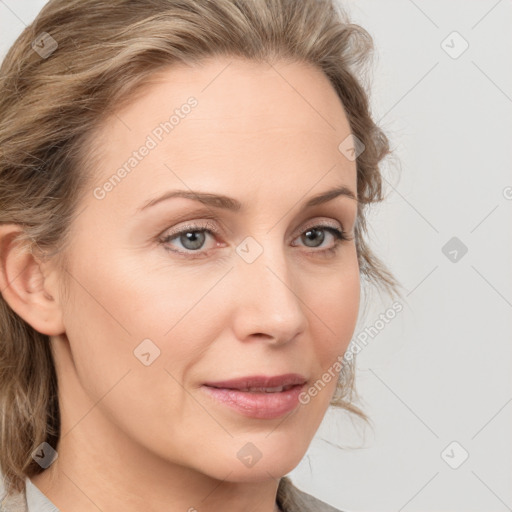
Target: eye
{"type": "Point", "coordinates": [315, 236]}
{"type": "Point", "coordinates": [191, 237]}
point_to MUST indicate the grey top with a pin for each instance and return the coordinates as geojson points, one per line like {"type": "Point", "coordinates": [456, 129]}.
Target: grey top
{"type": "Point", "coordinates": [289, 499]}
{"type": "Point", "coordinates": [32, 500]}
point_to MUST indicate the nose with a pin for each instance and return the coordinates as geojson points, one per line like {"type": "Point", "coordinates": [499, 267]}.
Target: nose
{"type": "Point", "coordinates": [268, 301]}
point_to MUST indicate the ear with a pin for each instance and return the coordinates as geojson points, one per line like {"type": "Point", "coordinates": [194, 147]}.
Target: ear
{"type": "Point", "coordinates": [28, 287]}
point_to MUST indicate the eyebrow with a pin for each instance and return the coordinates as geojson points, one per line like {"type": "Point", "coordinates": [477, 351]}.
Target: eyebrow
{"type": "Point", "coordinates": [228, 203]}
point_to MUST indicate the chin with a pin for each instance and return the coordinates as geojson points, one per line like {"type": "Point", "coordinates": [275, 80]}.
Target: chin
{"type": "Point", "coordinates": [273, 468]}
{"type": "Point", "coordinates": [258, 458]}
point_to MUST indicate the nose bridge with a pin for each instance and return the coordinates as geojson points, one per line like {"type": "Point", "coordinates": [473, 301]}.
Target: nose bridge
{"type": "Point", "coordinates": [268, 292]}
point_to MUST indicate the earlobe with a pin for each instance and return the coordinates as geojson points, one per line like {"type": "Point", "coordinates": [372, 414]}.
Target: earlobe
{"type": "Point", "coordinates": [28, 292]}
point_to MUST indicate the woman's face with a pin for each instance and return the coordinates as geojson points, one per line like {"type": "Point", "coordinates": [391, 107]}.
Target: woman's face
{"type": "Point", "coordinates": [252, 289]}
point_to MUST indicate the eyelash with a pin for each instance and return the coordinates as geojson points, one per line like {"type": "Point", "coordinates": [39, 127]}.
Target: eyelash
{"type": "Point", "coordinates": [339, 235]}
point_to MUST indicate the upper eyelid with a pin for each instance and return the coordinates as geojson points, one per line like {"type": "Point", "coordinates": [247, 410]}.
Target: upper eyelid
{"type": "Point", "coordinates": [326, 223]}
{"type": "Point", "coordinates": [210, 226]}
{"type": "Point", "coordinates": [192, 225]}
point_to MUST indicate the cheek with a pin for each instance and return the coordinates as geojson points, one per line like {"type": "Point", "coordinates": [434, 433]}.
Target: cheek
{"type": "Point", "coordinates": [107, 317]}
{"type": "Point", "coordinates": [335, 309]}
{"type": "Point", "coordinates": [116, 304]}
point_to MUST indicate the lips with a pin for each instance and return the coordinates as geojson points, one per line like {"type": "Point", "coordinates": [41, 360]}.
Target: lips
{"type": "Point", "coordinates": [260, 384]}
{"type": "Point", "coordinates": [259, 397]}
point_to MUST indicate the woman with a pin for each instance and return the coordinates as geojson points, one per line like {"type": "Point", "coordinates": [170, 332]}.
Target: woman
{"type": "Point", "coordinates": [183, 192]}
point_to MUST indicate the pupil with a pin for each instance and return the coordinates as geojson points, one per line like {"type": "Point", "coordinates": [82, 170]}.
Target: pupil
{"type": "Point", "coordinates": [311, 234]}
{"type": "Point", "coordinates": [191, 240]}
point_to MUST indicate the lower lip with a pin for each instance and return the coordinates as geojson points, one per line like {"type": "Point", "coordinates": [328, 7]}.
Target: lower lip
{"type": "Point", "coordinates": [258, 405]}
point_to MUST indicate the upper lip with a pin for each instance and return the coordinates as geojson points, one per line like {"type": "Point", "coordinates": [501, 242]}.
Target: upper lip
{"type": "Point", "coordinates": [259, 381]}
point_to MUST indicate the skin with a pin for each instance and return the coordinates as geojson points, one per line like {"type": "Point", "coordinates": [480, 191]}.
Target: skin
{"type": "Point", "coordinates": [138, 437]}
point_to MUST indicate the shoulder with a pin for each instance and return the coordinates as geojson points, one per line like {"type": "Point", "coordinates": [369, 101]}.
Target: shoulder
{"type": "Point", "coordinates": [292, 499]}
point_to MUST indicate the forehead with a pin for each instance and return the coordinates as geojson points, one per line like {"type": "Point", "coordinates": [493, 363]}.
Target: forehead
{"type": "Point", "coordinates": [231, 89]}
{"type": "Point", "coordinates": [227, 121]}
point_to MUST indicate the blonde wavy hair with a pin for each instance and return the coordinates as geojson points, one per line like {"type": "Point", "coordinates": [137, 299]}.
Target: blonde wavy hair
{"type": "Point", "coordinates": [51, 106]}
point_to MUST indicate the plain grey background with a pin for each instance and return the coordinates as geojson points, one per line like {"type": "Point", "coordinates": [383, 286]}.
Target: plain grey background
{"type": "Point", "coordinates": [436, 380]}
